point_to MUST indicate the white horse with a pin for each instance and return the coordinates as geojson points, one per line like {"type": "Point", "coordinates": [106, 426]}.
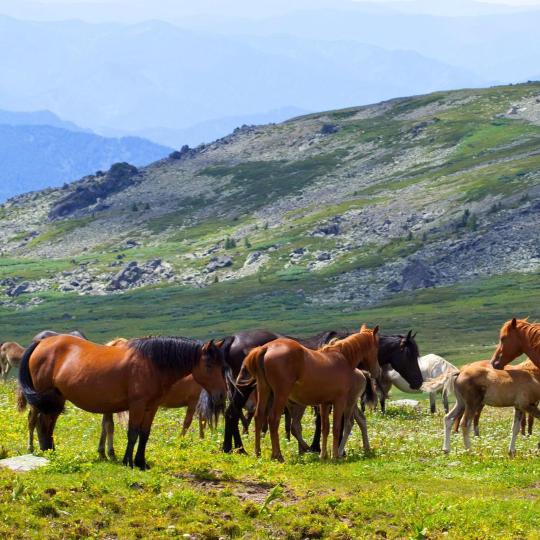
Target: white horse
{"type": "Point", "coordinates": [431, 366]}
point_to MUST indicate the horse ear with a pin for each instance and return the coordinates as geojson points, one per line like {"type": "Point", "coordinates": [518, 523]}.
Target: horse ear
{"type": "Point", "coordinates": [409, 334]}
{"type": "Point", "coordinates": [414, 335]}
{"type": "Point", "coordinates": [376, 330]}
{"type": "Point", "coordinates": [514, 323]}
{"type": "Point", "coordinates": [363, 327]}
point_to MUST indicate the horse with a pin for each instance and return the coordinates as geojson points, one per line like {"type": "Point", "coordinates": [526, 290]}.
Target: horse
{"type": "Point", "coordinates": [10, 357]}
{"type": "Point", "coordinates": [236, 348]}
{"type": "Point", "coordinates": [286, 370]}
{"type": "Point", "coordinates": [477, 385]}
{"type": "Point", "coordinates": [399, 351]}
{"type": "Point", "coordinates": [517, 336]}
{"type": "Point", "coordinates": [105, 380]}
{"type": "Point", "coordinates": [431, 366]}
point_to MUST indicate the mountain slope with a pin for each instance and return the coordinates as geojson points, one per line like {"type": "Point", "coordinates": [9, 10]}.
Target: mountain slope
{"type": "Point", "coordinates": [345, 208]}
{"type": "Point", "coordinates": [37, 156]}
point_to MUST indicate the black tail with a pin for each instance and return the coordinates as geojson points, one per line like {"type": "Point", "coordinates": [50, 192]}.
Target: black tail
{"type": "Point", "coordinates": [370, 393]}
{"type": "Point", "coordinates": [49, 402]}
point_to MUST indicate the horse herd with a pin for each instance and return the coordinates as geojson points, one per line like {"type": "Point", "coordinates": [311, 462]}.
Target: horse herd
{"type": "Point", "coordinates": [267, 374]}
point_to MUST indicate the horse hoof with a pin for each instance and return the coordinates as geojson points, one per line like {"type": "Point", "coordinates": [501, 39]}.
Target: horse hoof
{"type": "Point", "coordinates": [278, 458]}
{"type": "Point", "coordinates": [113, 457]}
{"type": "Point", "coordinates": [142, 466]}
{"type": "Point", "coordinates": [102, 456]}
{"type": "Point", "coordinates": [313, 450]}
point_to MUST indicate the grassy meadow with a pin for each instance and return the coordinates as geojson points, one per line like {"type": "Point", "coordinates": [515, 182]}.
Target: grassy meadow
{"type": "Point", "coordinates": [406, 489]}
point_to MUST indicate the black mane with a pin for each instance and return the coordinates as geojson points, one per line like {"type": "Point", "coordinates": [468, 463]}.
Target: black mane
{"type": "Point", "coordinates": [169, 353]}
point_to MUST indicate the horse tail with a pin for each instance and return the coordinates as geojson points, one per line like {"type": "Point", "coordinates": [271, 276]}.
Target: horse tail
{"type": "Point", "coordinates": [48, 402]}
{"type": "Point", "coordinates": [253, 366]}
{"type": "Point", "coordinates": [450, 384]}
{"type": "Point", "coordinates": [370, 396]}
{"type": "Point", "coordinates": [207, 409]}
{"type": "Point", "coordinates": [445, 382]}
{"type": "Point", "coordinates": [21, 400]}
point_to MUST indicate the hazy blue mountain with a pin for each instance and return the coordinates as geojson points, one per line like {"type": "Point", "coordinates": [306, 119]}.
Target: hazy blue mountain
{"type": "Point", "coordinates": [211, 130]}
{"type": "Point", "coordinates": [139, 77]}
{"type": "Point", "coordinates": [37, 118]}
{"type": "Point", "coordinates": [36, 157]}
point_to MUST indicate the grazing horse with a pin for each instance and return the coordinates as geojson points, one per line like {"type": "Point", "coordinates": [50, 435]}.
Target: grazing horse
{"type": "Point", "coordinates": [10, 357]}
{"type": "Point", "coordinates": [285, 370]}
{"type": "Point", "coordinates": [477, 385]}
{"type": "Point", "coordinates": [431, 366]}
{"type": "Point", "coordinates": [517, 337]}
{"type": "Point", "coordinates": [102, 379]}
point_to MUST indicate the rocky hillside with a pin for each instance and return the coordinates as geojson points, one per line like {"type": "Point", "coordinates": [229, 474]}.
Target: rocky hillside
{"type": "Point", "coordinates": [354, 205]}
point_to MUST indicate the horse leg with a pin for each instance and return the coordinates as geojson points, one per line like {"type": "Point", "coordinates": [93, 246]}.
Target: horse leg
{"type": "Point", "coordinates": [287, 424]}
{"type": "Point", "coordinates": [296, 413]}
{"type": "Point", "coordinates": [449, 419]}
{"type": "Point", "coordinates": [476, 422]}
{"type": "Point", "coordinates": [325, 428]}
{"type": "Point", "coordinates": [383, 405]}
{"type": "Point", "coordinates": [276, 410]}
{"type": "Point", "coordinates": [530, 424]}
{"type": "Point", "coordinates": [316, 443]}
{"type": "Point", "coordinates": [518, 415]}
{"type": "Point", "coordinates": [102, 437]}
{"type": "Point", "coordinates": [190, 411]}
{"type": "Point", "coordinates": [249, 418]}
{"type": "Point", "coordinates": [238, 400]}
{"type": "Point", "coordinates": [243, 420]}
{"type": "Point", "coordinates": [32, 422]}
{"type": "Point", "coordinates": [468, 418]}
{"type": "Point", "coordinates": [445, 401]}
{"type": "Point", "coordinates": [432, 402]}
{"type": "Point", "coordinates": [348, 421]}
{"type": "Point", "coordinates": [362, 424]}
{"type": "Point", "coordinates": [110, 437]}
{"type": "Point", "coordinates": [263, 396]}
{"type": "Point", "coordinates": [337, 424]}
{"type": "Point", "coordinates": [144, 434]}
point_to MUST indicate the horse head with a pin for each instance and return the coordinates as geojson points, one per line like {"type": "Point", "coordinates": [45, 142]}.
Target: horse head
{"type": "Point", "coordinates": [509, 347]}
{"type": "Point", "coordinates": [210, 373]}
{"type": "Point", "coordinates": [404, 356]}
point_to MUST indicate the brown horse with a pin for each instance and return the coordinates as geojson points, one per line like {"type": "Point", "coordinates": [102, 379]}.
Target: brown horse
{"type": "Point", "coordinates": [517, 337]}
{"type": "Point", "coordinates": [527, 421]}
{"type": "Point", "coordinates": [105, 380]}
{"type": "Point", "coordinates": [477, 385]}
{"type": "Point", "coordinates": [285, 370]}
{"type": "Point", "coordinates": [10, 357]}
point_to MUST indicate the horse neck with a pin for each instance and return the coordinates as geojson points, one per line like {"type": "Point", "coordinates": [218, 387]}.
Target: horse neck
{"type": "Point", "coordinates": [530, 342]}
{"type": "Point", "coordinates": [350, 347]}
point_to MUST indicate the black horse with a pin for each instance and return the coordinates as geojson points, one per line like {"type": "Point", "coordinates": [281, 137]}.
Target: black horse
{"type": "Point", "coordinates": [401, 352]}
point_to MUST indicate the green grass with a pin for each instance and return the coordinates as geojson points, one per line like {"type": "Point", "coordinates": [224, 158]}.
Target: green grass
{"type": "Point", "coordinates": [459, 322]}
{"type": "Point", "coordinates": [406, 489]}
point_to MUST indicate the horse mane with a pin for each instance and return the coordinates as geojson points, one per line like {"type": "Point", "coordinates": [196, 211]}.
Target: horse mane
{"type": "Point", "coordinates": [168, 353]}
{"type": "Point", "coordinates": [532, 330]}
{"type": "Point", "coordinates": [116, 342]}
{"type": "Point", "coordinates": [352, 346]}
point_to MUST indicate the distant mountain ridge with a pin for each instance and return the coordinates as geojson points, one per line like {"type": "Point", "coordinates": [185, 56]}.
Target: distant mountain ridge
{"type": "Point", "coordinates": [37, 118]}
{"type": "Point", "coordinates": [34, 157]}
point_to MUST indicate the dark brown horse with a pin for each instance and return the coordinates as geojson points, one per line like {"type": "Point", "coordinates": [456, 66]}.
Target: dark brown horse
{"type": "Point", "coordinates": [285, 370]}
{"type": "Point", "coordinates": [105, 380]}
